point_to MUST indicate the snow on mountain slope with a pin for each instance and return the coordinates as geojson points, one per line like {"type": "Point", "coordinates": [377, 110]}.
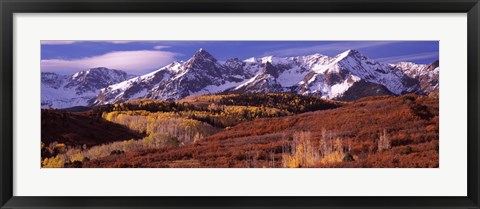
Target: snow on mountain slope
{"type": "Point", "coordinates": [274, 74]}
{"type": "Point", "coordinates": [320, 75]}
{"type": "Point", "coordinates": [327, 77]}
{"type": "Point", "coordinates": [137, 87]}
{"type": "Point", "coordinates": [199, 75]}
{"type": "Point", "coordinates": [353, 63]}
{"type": "Point", "coordinates": [427, 75]}
{"type": "Point", "coordinates": [61, 91]}
{"type": "Point", "coordinates": [410, 68]}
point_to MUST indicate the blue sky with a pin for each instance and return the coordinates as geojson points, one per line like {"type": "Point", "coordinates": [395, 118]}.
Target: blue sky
{"type": "Point", "coordinates": [140, 57]}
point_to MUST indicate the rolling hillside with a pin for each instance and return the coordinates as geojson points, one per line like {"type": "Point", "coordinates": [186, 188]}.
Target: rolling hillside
{"type": "Point", "coordinates": [78, 129]}
{"type": "Point", "coordinates": [372, 132]}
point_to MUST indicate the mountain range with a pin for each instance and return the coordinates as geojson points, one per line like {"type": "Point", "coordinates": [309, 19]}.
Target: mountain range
{"type": "Point", "coordinates": [347, 76]}
{"type": "Point", "coordinates": [61, 91]}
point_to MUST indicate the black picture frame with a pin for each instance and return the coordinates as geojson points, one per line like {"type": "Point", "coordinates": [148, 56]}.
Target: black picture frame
{"type": "Point", "coordinates": [10, 7]}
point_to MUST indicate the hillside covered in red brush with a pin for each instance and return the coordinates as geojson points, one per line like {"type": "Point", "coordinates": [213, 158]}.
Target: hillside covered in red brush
{"type": "Point", "coordinates": [381, 131]}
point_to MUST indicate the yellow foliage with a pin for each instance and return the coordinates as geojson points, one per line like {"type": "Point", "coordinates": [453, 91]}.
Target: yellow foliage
{"type": "Point", "coordinates": [158, 124]}
{"type": "Point", "coordinates": [305, 153]}
{"type": "Point", "coordinates": [61, 145]}
{"type": "Point", "coordinates": [78, 156]}
{"type": "Point", "coordinates": [334, 157]}
{"type": "Point", "coordinates": [54, 162]}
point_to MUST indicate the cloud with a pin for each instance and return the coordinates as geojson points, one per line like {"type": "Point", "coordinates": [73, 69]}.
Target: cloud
{"type": "Point", "coordinates": [118, 42]}
{"type": "Point", "coordinates": [410, 57]}
{"type": "Point", "coordinates": [54, 42]}
{"type": "Point", "coordinates": [135, 62]}
{"type": "Point", "coordinates": [328, 48]}
{"type": "Point", "coordinates": [57, 42]}
{"type": "Point", "coordinates": [161, 47]}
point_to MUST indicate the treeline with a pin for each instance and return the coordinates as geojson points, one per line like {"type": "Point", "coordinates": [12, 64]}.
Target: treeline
{"type": "Point", "coordinates": [226, 110]}
{"type": "Point", "coordinates": [293, 103]}
{"type": "Point", "coordinates": [228, 116]}
{"type": "Point", "coordinates": [220, 116]}
{"type": "Point", "coordinates": [148, 105]}
{"type": "Point", "coordinates": [286, 102]}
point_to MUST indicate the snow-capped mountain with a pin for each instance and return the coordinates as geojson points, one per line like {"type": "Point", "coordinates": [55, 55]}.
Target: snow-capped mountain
{"type": "Point", "coordinates": [347, 76]}
{"type": "Point", "coordinates": [427, 75]}
{"type": "Point", "coordinates": [329, 77]}
{"type": "Point", "coordinates": [61, 91]}
{"type": "Point", "coordinates": [200, 74]}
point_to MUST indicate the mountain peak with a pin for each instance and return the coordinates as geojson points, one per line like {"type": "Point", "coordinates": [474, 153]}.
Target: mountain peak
{"type": "Point", "coordinates": [316, 55]}
{"type": "Point", "coordinates": [202, 51]}
{"type": "Point", "coordinates": [350, 53]}
{"type": "Point", "coordinates": [99, 69]}
{"type": "Point", "coordinates": [203, 54]}
{"type": "Point", "coordinates": [96, 71]}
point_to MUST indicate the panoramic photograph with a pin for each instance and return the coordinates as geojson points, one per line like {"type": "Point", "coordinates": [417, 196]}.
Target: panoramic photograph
{"type": "Point", "coordinates": [239, 104]}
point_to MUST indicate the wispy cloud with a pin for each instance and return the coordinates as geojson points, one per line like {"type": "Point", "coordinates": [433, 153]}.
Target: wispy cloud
{"type": "Point", "coordinates": [57, 42]}
{"type": "Point", "coordinates": [66, 42]}
{"type": "Point", "coordinates": [119, 42]}
{"type": "Point", "coordinates": [407, 58]}
{"type": "Point", "coordinates": [328, 48]}
{"type": "Point", "coordinates": [161, 47]}
{"type": "Point", "coordinates": [131, 61]}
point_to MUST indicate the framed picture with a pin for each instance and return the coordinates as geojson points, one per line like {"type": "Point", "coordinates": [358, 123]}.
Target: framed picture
{"type": "Point", "coordinates": [239, 104]}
